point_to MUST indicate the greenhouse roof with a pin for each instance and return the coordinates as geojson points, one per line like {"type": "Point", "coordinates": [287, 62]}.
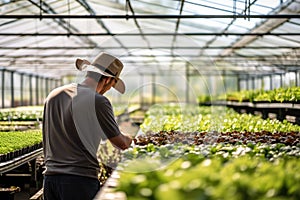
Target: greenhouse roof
{"type": "Point", "coordinates": [152, 36]}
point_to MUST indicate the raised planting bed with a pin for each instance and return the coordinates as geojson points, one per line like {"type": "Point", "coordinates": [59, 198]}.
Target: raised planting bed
{"type": "Point", "coordinates": [235, 137]}
{"type": "Point", "coordinates": [278, 95]}
{"type": "Point", "coordinates": [210, 118]}
{"type": "Point", "coordinates": [25, 113]}
{"type": "Point", "coordinates": [215, 171]}
{"type": "Point", "coordinates": [18, 125]}
{"type": "Point", "coordinates": [17, 143]}
{"type": "Point", "coordinates": [279, 103]}
{"type": "Point", "coordinates": [208, 153]}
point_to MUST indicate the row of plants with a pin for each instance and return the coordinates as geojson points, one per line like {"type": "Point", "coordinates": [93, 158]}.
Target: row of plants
{"type": "Point", "coordinates": [283, 94]}
{"type": "Point", "coordinates": [35, 113]}
{"type": "Point", "coordinates": [190, 152]}
{"type": "Point", "coordinates": [18, 125]}
{"type": "Point", "coordinates": [215, 171]}
{"type": "Point", "coordinates": [24, 113]}
{"type": "Point", "coordinates": [20, 131]}
{"type": "Point", "coordinates": [209, 118]}
{"type": "Point", "coordinates": [16, 143]}
{"type": "Point", "coordinates": [235, 137]}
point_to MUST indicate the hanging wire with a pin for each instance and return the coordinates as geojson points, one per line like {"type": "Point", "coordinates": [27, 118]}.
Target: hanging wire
{"type": "Point", "coordinates": [69, 21]}
{"type": "Point", "coordinates": [127, 8]}
{"type": "Point", "coordinates": [245, 10]}
{"type": "Point", "coordinates": [41, 10]}
{"type": "Point", "coordinates": [249, 5]}
{"type": "Point", "coordinates": [234, 8]}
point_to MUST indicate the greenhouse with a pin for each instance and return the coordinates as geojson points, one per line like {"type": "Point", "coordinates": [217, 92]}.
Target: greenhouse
{"type": "Point", "coordinates": [211, 105]}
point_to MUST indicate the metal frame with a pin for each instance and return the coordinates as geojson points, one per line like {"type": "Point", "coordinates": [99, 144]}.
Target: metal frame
{"type": "Point", "coordinates": [38, 93]}
{"type": "Point", "coordinates": [245, 56]}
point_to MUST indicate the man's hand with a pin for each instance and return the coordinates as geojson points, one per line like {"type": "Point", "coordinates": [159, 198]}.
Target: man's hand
{"type": "Point", "coordinates": [122, 141]}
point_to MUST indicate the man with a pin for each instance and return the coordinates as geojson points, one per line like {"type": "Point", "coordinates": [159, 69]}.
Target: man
{"type": "Point", "coordinates": [76, 118]}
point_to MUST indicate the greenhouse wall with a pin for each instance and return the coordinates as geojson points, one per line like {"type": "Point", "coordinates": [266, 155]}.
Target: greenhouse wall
{"type": "Point", "coordinates": [19, 89]}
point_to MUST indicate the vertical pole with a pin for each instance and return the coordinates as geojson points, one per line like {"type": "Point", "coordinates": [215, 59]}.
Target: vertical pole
{"type": "Point", "coordinates": [224, 80]}
{"type": "Point", "coordinates": [271, 82]}
{"type": "Point", "coordinates": [238, 82]}
{"type": "Point", "coordinates": [296, 78]}
{"type": "Point", "coordinates": [46, 86]}
{"type": "Point", "coordinates": [153, 89]}
{"type": "Point", "coordinates": [141, 90]}
{"type": "Point", "coordinates": [37, 90]}
{"type": "Point", "coordinates": [247, 81]}
{"type": "Point", "coordinates": [42, 87]}
{"type": "Point", "coordinates": [22, 88]}
{"type": "Point", "coordinates": [187, 76]}
{"type": "Point", "coordinates": [12, 89]}
{"type": "Point", "coordinates": [3, 87]}
{"type": "Point", "coordinates": [30, 91]}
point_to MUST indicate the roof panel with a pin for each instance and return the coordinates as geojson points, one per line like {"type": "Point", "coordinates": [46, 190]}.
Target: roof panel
{"type": "Point", "coordinates": [146, 43]}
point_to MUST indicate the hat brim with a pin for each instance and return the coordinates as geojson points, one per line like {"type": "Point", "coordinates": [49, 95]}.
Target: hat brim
{"type": "Point", "coordinates": [120, 86]}
{"type": "Point", "coordinates": [84, 65]}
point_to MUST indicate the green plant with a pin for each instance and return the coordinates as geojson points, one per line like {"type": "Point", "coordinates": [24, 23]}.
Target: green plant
{"type": "Point", "coordinates": [16, 140]}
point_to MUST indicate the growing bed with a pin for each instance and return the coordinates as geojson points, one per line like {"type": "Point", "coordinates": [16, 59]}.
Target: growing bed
{"type": "Point", "coordinates": [191, 152]}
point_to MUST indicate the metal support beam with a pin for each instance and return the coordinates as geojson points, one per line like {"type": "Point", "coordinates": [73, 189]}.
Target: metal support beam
{"type": "Point", "coordinates": [46, 86]}
{"type": "Point", "coordinates": [22, 89]}
{"type": "Point", "coordinates": [140, 47]}
{"type": "Point", "coordinates": [141, 90]}
{"type": "Point", "coordinates": [36, 90]}
{"type": "Point", "coordinates": [12, 90]}
{"type": "Point", "coordinates": [187, 88]}
{"type": "Point", "coordinates": [152, 34]}
{"type": "Point", "coordinates": [271, 82]}
{"type": "Point", "coordinates": [3, 87]}
{"type": "Point", "coordinates": [59, 16]}
{"type": "Point", "coordinates": [238, 82]}
{"type": "Point", "coordinates": [30, 90]}
{"type": "Point", "coordinates": [153, 89]}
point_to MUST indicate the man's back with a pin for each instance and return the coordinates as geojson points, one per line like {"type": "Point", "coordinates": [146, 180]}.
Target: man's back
{"type": "Point", "coordinates": [63, 148]}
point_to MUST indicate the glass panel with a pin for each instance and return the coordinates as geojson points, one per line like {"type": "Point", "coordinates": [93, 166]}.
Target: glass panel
{"type": "Point", "coordinates": [7, 89]}
{"type": "Point", "coordinates": [26, 90]}
{"type": "Point", "coordinates": [17, 90]}
{"type": "Point", "coordinates": [34, 93]}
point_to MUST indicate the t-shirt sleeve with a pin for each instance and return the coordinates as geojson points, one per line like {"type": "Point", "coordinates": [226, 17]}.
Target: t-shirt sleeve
{"type": "Point", "coordinates": [106, 118]}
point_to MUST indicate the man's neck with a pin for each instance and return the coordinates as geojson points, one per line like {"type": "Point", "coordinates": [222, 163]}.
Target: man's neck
{"type": "Point", "coordinates": [89, 82]}
{"type": "Point", "coordinates": [94, 85]}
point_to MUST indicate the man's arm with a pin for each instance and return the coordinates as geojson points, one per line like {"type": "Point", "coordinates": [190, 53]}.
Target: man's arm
{"type": "Point", "coordinates": [121, 141]}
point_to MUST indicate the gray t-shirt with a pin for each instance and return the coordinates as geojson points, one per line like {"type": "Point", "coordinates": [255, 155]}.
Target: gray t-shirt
{"type": "Point", "coordinates": [76, 119]}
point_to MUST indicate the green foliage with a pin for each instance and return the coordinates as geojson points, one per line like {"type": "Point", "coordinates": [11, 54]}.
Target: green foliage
{"type": "Point", "coordinates": [243, 95]}
{"type": "Point", "coordinates": [28, 113]}
{"type": "Point", "coordinates": [204, 98]}
{"type": "Point", "coordinates": [12, 141]}
{"type": "Point", "coordinates": [193, 118]}
{"type": "Point", "coordinates": [291, 94]}
{"type": "Point", "coordinates": [213, 172]}
{"type": "Point", "coordinates": [284, 94]}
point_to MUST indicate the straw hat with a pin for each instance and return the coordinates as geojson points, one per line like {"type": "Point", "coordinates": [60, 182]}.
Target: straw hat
{"type": "Point", "coordinates": [106, 65]}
